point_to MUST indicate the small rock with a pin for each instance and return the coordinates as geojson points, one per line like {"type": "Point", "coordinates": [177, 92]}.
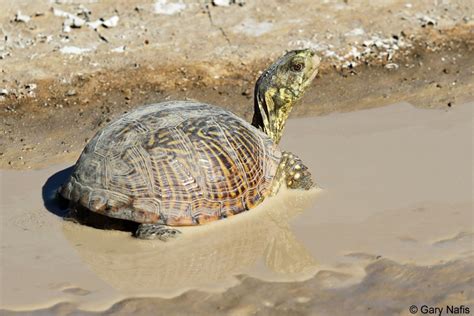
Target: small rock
{"type": "Point", "coordinates": [163, 7]}
{"type": "Point", "coordinates": [221, 3]}
{"type": "Point", "coordinates": [45, 38]}
{"type": "Point", "coordinates": [19, 17]}
{"type": "Point", "coordinates": [246, 92]}
{"type": "Point", "coordinates": [111, 22]}
{"type": "Point", "coordinates": [94, 25]}
{"type": "Point", "coordinates": [426, 20]}
{"type": "Point", "coordinates": [392, 66]}
{"type": "Point", "coordinates": [226, 3]}
{"type": "Point", "coordinates": [3, 92]}
{"type": "Point", "coordinates": [3, 55]}
{"type": "Point", "coordinates": [72, 21]}
{"type": "Point", "coordinates": [127, 93]}
{"type": "Point", "coordinates": [74, 50]}
{"type": "Point", "coordinates": [82, 10]}
{"type": "Point", "coordinates": [119, 49]}
{"type": "Point", "coordinates": [71, 93]}
{"type": "Point", "coordinates": [31, 86]}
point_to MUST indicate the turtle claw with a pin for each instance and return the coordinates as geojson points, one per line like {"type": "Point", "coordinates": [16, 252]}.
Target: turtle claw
{"type": "Point", "coordinates": [156, 231]}
{"type": "Point", "coordinates": [293, 173]}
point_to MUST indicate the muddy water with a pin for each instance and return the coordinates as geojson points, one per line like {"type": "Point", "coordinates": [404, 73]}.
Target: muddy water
{"type": "Point", "coordinates": [396, 182]}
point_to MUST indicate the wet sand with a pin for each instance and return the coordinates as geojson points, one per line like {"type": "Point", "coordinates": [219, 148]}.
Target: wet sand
{"type": "Point", "coordinates": [395, 202]}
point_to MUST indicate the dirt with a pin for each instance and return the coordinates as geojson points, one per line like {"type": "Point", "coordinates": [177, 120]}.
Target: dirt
{"type": "Point", "coordinates": [52, 102]}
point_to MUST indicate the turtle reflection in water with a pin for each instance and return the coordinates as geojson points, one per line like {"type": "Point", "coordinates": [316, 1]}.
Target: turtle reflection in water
{"type": "Point", "coordinates": [184, 163]}
{"type": "Point", "coordinates": [259, 243]}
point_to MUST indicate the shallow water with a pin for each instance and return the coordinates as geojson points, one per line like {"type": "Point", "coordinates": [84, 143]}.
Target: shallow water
{"type": "Point", "coordinates": [396, 183]}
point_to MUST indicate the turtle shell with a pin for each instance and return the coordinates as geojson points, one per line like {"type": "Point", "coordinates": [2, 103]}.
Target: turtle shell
{"type": "Point", "coordinates": [177, 163]}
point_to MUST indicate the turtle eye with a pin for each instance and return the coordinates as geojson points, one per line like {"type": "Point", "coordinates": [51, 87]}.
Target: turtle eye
{"type": "Point", "coordinates": [297, 66]}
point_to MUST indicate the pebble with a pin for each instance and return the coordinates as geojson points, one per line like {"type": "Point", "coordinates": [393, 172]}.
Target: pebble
{"type": "Point", "coordinates": [31, 86]}
{"type": "Point", "coordinates": [391, 66]}
{"type": "Point", "coordinates": [111, 22]}
{"type": "Point", "coordinates": [119, 49]}
{"type": "Point", "coordinates": [426, 20]}
{"type": "Point", "coordinates": [94, 25]}
{"type": "Point", "coordinates": [221, 3]}
{"type": "Point", "coordinates": [74, 50]}
{"type": "Point", "coordinates": [165, 8]}
{"type": "Point", "coordinates": [19, 17]}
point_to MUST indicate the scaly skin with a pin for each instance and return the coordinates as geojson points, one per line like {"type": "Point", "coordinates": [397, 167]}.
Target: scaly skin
{"type": "Point", "coordinates": [276, 92]}
{"type": "Point", "coordinates": [292, 173]}
{"type": "Point", "coordinates": [279, 87]}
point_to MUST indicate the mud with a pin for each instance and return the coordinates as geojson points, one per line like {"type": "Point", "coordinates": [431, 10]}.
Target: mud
{"type": "Point", "coordinates": [392, 221]}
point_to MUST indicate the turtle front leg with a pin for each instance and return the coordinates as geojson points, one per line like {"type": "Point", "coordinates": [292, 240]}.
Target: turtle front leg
{"type": "Point", "coordinates": [292, 173]}
{"type": "Point", "coordinates": [156, 231]}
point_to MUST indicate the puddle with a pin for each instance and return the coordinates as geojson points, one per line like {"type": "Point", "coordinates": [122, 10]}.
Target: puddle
{"type": "Point", "coordinates": [396, 183]}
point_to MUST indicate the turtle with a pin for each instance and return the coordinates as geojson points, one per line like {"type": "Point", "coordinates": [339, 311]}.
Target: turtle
{"type": "Point", "coordinates": [182, 163]}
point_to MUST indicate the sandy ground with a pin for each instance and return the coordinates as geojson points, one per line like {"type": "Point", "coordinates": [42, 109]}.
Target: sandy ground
{"type": "Point", "coordinates": [58, 88]}
{"type": "Point", "coordinates": [390, 227]}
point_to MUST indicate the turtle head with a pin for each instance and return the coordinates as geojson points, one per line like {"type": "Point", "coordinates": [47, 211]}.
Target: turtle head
{"type": "Point", "coordinates": [279, 87]}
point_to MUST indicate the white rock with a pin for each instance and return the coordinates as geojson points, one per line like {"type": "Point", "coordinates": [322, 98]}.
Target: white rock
{"type": "Point", "coordinates": [119, 49]}
{"type": "Point", "coordinates": [31, 86]}
{"type": "Point", "coordinates": [221, 3]}
{"type": "Point", "coordinates": [72, 21]}
{"type": "Point", "coordinates": [353, 53]}
{"type": "Point", "coordinates": [111, 22]}
{"type": "Point", "coordinates": [73, 50]}
{"type": "Point", "coordinates": [19, 17]}
{"type": "Point", "coordinates": [61, 13]}
{"type": "Point", "coordinates": [66, 27]}
{"type": "Point", "coordinates": [3, 92]}
{"type": "Point", "coordinates": [426, 20]}
{"type": "Point", "coordinates": [77, 21]}
{"type": "Point", "coordinates": [391, 66]}
{"type": "Point", "coordinates": [94, 25]}
{"type": "Point", "coordinates": [163, 7]}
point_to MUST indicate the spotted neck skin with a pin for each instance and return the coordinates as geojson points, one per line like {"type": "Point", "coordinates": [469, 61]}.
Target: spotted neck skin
{"type": "Point", "coordinates": [279, 87]}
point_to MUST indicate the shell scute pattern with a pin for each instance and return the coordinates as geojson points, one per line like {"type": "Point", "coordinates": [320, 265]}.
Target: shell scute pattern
{"type": "Point", "coordinates": [180, 163]}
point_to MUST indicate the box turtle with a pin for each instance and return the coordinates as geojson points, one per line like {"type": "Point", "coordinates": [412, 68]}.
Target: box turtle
{"type": "Point", "coordinates": [183, 163]}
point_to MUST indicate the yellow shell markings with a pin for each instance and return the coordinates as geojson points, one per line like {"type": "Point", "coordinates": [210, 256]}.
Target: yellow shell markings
{"type": "Point", "coordinates": [205, 257]}
{"type": "Point", "coordinates": [155, 159]}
